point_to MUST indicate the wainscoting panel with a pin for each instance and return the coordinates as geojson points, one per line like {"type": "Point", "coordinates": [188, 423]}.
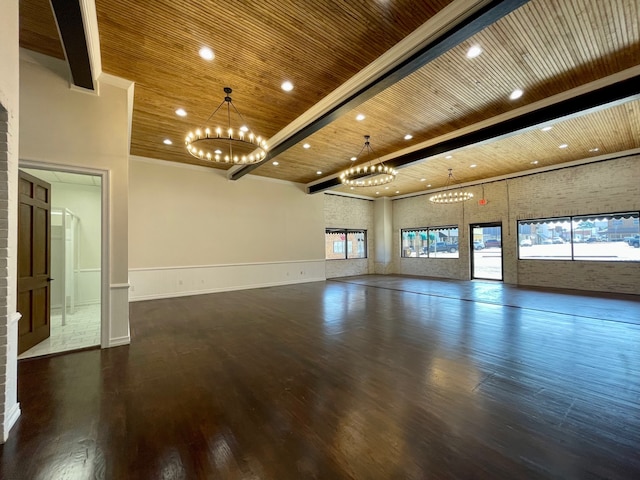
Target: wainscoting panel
{"type": "Point", "coordinates": [166, 282]}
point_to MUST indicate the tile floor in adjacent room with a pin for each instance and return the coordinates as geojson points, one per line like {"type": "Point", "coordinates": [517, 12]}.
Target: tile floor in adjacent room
{"type": "Point", "coordinates": [81, 330]}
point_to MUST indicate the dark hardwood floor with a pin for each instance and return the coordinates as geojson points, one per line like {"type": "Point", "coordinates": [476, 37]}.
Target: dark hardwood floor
{"type": "Point", "coordinates": [361, 378]}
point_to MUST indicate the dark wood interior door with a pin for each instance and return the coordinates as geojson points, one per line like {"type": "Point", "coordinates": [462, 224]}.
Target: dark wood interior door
{"type": "Point", "coordinates": [34, 262]}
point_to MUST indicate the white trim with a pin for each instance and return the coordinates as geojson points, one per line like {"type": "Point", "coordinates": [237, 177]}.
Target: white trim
{"type": "Point", "coordinates": [115, 81]}
{"type": "Point", "coordinates": [119, 341]}
{"type": "Point", "coordinates": [10, 420]}
{"type": "Point", "coordinates": [92, 37]}
{"type": "Point", "coordinates": [220, 265]}
{"type": "Point", "coordinates": [223, 289]}
{"type": "Point", "coordinates": [14, 318]}
{"type": "Point", "coordinates": [88, 270]}
{"type": "Point", "coordinates": [95, 91]}
{"type": "Point", "coordinates": [115, 286]}
{"type": "Point", "coordinates": [105, 187]}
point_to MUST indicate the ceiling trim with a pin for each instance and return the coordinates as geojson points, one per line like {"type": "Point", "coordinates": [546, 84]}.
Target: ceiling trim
{"type": "Point", "coordinates": [447, 39]}
{"type": "Point", "coordinates": [606, 96]}
{"type": "Point", "coordinates": [70, 23]}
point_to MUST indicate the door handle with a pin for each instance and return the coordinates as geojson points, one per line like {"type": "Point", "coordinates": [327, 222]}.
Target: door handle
{"type": "Point", "coordinates": [50, 279]}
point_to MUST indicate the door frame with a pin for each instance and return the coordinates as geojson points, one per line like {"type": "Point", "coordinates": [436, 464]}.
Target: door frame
{"type": "Point", "coordinates": [472, 250]}
{"type": "Point", "coordinates": [105, 286]}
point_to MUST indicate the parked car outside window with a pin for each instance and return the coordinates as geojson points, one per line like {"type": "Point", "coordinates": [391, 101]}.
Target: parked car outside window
{"type": "Point", "coordinates": [478, 244]}
{"type": "Point", "coordinates": [525, 242]}
{"type": "Point", "coordinates": [443, 247]}
{"type": "Point", "coordinates": [492, 244]}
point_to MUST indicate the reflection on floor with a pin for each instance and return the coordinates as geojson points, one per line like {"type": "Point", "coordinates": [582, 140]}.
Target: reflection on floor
{"type": "Point", "coordinates": [82, 330]}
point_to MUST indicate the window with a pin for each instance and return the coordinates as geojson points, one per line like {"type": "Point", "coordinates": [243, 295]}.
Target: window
{"type": "Point", "coordinates": [434, 242]}
{"type": "Point", "coordinates": [341, 244]}
{"type": "Point", "coordinates": [604, 237]}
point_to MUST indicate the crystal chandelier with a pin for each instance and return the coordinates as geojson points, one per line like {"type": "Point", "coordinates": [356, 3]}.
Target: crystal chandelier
{"type": "Point", "coordinates": [370, 174]}
{"type": "Point", "coordinates": [226, 143]}
{"type": "Point", "coordinates": [449, 196]}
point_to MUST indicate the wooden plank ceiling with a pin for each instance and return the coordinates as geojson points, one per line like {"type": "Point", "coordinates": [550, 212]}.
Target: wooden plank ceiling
{"type": "Point", "coordinates": [545, 48]}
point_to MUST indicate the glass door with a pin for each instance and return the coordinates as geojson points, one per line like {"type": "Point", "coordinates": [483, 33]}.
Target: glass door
{"type": "Point", "coordinates": [486, 245]}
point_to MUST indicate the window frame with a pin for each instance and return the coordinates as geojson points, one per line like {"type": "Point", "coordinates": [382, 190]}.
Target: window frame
{"type": "Point", "coordinates": [347, 249]}
{"type": "Point", "coordinates": [575, 240]}
{"type": "Point", "coordinates": [427, 249]}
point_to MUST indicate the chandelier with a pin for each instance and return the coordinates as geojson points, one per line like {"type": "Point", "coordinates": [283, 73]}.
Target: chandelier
{"type": "Point", "coordinates": [448, 196]}
{"type": "Point", "coordinates": [369, 175]}
{"type": "Point", "coordinates": [224, 143]}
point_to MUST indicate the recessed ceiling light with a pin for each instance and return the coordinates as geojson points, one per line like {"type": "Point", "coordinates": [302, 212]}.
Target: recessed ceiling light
{"type": "Point", "coordinates": [244, 128]}
{"type": "Point", "coordinates": [428, 185]}
{"type": "Point", "coordinates": [397, 191]}
{"type": "Point", "coordinates": [535, 162]}
{"type": "Point", "coordinates": [166, 141]}
{"type": "Point", "coordinates": [594, 149]}
{"type": "Point", "coordinates": [408, 137]}
{"type": "Point", "coordinates": [517, 93]}
{"type": "Point", "coordinates": [181, 112]}
{"type": "Point", "coordinates": [306, 145]}
{"type": "Point", "coordinates": [206, 53]}
{"type": "Point", "coordinates": [353, 159]}
{"type": "Point", "coordinates": [319, 172]}
{"type": "Point", "coordinates": [287, 86]}
{"type": "Point", "coordinates": [474, 51]}
{"type": "Point", "coordinates": [564, 145]}
{"type": "Point", "coordinates": [422, 179]}
{"type": "Point", "coordinates": [546, 129]}
{"type": "Point", "coordinates": [360, 117]}
{"type": "Point", "coordinates": [386, 188]}
{"type": "Point", "coordinates": [377, 193]}
{"type": "Point", "coordinates": [352, 188]}
{"type": "Point", "coordinates": [218, 152]}
{"type": "Point", "coordinates": [473, 165]}
{"type": "Point", "coordinates": [275, 163]}
{"type": "Point", "coordinates": [448, 157]}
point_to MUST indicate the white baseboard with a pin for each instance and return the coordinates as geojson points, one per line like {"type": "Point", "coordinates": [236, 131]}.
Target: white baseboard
{"type": "Point", "coordinates": [169, 282]}
{"type": "Point", "coordinates": [10, 421]}
{"type": "Point", "coordinates": [119, 341]}
{"type": "Point", "coordinates": [188, 293]}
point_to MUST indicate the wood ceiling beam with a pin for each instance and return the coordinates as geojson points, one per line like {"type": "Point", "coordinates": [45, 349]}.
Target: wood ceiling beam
{"type": "Point", "coordinates": [484, 17]}
{"type": "Point", "coordinates": [74, 41]}
{"type": "Point", "coordinates": [582, 104]}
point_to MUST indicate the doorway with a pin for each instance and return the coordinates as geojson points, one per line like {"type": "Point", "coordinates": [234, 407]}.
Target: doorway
{"type": "Point", "coordinates": [486, 245]}
{"type": "Point", "coordinates": [75, 305]}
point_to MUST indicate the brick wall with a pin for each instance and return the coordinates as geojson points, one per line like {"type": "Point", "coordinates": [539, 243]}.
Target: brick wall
{"type": "Point", "coordinates": [348, 212]}
{"type": "Point", "coordinates": [603, 187]}
{"type": "Point", "coordinates": [4, 257]}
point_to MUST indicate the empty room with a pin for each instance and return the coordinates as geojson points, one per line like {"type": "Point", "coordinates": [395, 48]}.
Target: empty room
{"type": "Point", "coordinates": [320, 239]}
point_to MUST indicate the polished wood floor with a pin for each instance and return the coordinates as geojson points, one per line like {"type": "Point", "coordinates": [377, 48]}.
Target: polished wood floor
{"type": "Point", "coordinates": [358, 378]}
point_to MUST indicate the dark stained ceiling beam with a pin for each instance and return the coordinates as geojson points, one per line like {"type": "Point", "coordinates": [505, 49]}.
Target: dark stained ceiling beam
{"type": "Point", "coordinates": [604, 97]}
{"type": "Point", "coordinates": [68, 15]}
{"type": "Point", "coordinates": [486, 16]}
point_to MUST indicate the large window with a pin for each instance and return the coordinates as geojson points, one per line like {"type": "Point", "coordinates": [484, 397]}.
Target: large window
{"type": "Point", "coordinates": [436, 242]}
{"type": "Point", "coordinates": [604, 237]}
{"type": "Point", "coordinates": [341, 244]}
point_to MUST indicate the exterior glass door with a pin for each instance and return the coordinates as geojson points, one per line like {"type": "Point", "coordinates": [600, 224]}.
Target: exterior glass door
{"type": "Point", "coordinates": [486, 245]}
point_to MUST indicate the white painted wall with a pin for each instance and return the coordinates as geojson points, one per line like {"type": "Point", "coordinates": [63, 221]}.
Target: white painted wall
{"type": "Point", "coordinates": [9, 119]}
{"type": "Point", "coordinates": [193, 231]}
{"type": "Point", "coordinates": [356, 213]}
{"type": "Point", "coordinates": [64, 127]}
{"type": "Point", "coordinates": [85, 203]}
